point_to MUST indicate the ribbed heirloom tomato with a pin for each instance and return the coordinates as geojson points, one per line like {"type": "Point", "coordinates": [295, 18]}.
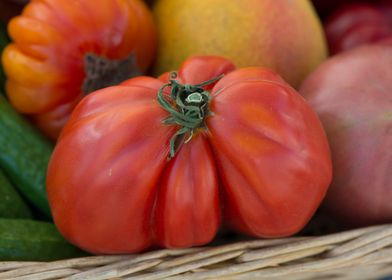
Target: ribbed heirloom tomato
{"type": "Point", "coordinates": [163, 162]}
{"type": "Point", "coordinates": [63, 50]}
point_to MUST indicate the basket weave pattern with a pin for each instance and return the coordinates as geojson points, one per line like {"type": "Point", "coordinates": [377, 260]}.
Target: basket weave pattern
{"type": "Point", "coordinates": [364, 253]}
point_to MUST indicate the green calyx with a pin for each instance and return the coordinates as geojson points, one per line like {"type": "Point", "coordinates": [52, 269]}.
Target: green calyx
{"type": "Point", "coordinates": [188, 108]}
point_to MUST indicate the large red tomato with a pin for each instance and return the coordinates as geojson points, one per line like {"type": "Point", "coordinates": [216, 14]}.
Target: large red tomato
{"type": "Point", "coordinates": [131, 170]}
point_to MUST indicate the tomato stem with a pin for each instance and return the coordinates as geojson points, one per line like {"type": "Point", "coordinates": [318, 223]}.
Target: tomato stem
{"type": "Point", "coordinates": [188, 107]}
{"type": "Point", "coordinates": [102, 72]}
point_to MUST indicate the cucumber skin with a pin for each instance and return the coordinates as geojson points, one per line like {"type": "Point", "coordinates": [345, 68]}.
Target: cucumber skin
{"type": "Point", "coordinates": [29, 240]}
{"type": "Point", "coordinates": [24, 156]}
{"type": "Point", "coordinates": [11, 125]}
{"type": "Point", "coordinates": [11, 203]}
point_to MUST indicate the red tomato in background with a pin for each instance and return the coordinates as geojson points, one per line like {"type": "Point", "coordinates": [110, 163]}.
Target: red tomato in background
{"type": "Point", "coordinates": [356, 24]}
{"type": "Point", "coordinates": [385, 6]}
{"type": "Point", "coordinates": [259, 162]}
{"type": "Point", "coordinates": [326, 7]}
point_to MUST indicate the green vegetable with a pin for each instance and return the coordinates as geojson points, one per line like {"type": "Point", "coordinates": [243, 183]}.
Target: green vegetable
{"type": "Point", "coordinates": [24, 156]}
{"type": "Point", "coordinates": [11, 204]}
{"type": "Point", "coordinates": [28, 240]}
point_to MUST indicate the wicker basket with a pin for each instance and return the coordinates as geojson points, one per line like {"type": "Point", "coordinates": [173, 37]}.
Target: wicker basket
{"type": "Point", "coordinates": [364, 253]}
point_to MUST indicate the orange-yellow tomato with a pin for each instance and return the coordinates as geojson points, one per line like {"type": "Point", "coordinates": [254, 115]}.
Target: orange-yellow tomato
{"type": "Point", "coordinates": [65, 49]}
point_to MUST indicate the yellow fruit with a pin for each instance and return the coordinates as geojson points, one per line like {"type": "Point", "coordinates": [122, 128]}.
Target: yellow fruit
{"type": "Point", "coordinates": [284, 35]}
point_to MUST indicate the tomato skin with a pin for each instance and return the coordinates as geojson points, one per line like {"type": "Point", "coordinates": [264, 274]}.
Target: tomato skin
{"type": "Point", "coordinates": [46, 64]}
{"type": "Point", "coordinates": [112, 188]}
{"type": "Point", "coordinates": [188, 197]}
{"type": "Point", "coordinates": [271, 151]}
{"type": "Point", "coordinates": [128, 134]}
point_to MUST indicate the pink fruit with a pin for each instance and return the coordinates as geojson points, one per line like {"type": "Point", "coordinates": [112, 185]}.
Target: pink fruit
{"type": "Point", "coordinates": [352, 93]}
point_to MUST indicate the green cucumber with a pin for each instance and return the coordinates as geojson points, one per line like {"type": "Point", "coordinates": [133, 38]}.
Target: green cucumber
{"type": "Point", "coordinates": [24, 156]}
{"type": "Point", "coordinates": [29, 240]}
{"type": "Point", "coordinates": [11, 203]}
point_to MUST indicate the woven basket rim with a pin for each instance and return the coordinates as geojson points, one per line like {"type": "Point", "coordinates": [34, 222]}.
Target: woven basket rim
{"type": "Point", "coordinates": [350, 254]}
